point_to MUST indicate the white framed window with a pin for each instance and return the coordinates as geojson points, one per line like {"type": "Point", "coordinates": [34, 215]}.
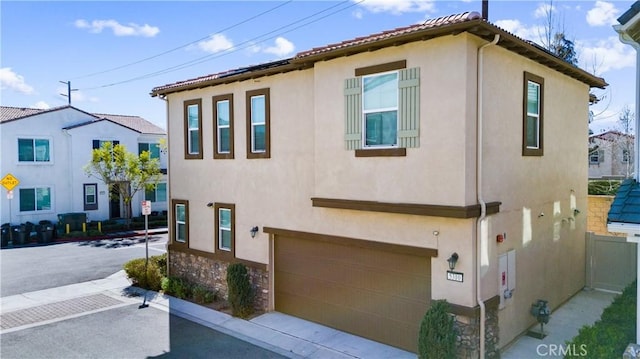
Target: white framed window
{"type": "Point", "coordinates": [180, 215]}
{"type": "Point", "coordinates": [533, 120]}
{"type": "Point", "coordinates": [157, 194]}
{"type": "Point", "coordinates": [34, 150]}
{"type": "Point", "coordinates": [152, 148]}
{"type": "Point", "coordinates": [258, 123]}
{"type": "Point", "coordinates": [626, 156]}
{"type": "Point", "coordinates": [35, 199]}
{"type": "Point", "coordinates": [380, 110]}
{"type": "Point", "coordinates": [90, 191]}
{"type": "Point", "coordinates": [193, 129]}
{"type": "Point", "coordinates": [225, 229]}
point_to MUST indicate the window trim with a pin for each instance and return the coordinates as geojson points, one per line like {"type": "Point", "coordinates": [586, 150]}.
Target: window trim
{"type": "Point", "coordinates": [249, 126]}
{"type": "Point", "coordinates": [231, 253]}
{"type": "Point", "coordinates": [174, 204]}
{"type": "Point", "coordinates": [149, 144]}
{"type": "Point", "coordinates": [380, 110]}
{"type": "Point", "coordinates": [528, 151]}
{"type": "Point", "coordinates": [216, 135]}
{"type": "Point", "coordinates": [187, 154]}
{"type": "Point", "coordinates": [33, 140]}
{"type": "Point", "coordinates": [90, 206]}
{"type": "Point", "coordinates": [35, 193]}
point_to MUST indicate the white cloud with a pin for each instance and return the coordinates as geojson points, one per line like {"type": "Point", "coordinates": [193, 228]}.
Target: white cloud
{"type": "Point", "coordinates": [605, 55]}
{"type": "Point", "coordinates": [398, 7]}
{"type": "Point", "coordinates": [12, 81]}
{"type": "Point", "coordinates": [543, 10]}
{"type": "Point", "coordinates": [41, 105]}
{"type": "Point", "coordinates": [604, 13]}
{"type": "Point", "coordinates": [131, 29]}
{"type": "Point", "coordinates": [215, 43]}
{"type": "Point", "coordinates": [282, 47]}
{"type": "Point", "coordinates": [76, 96]}
{"type": "Point", "coordinates": [517, 28]}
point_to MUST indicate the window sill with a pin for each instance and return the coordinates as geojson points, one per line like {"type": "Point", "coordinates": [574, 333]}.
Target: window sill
{"type": "Point", "coordinates": [382, 152]}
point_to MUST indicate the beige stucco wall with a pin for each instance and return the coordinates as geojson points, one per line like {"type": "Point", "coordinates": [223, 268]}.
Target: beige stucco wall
{"type": "Point", "coordinates": [550, 248]}
{"type": "Point", "coordinates": [308, 159]}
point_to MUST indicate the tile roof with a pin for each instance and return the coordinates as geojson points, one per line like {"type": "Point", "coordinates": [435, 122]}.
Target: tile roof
{"type": "Point", "coordinates": [625, 207]}
{"type": "Point", "coordinates": [134, 123]}
{"type": "Point", "coordinates": [431, 23]}
{"type": "Point", "coordinates": [470, 22]}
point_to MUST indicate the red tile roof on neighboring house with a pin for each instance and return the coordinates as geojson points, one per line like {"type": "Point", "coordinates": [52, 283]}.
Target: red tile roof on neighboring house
{"type": "Point", "coordinates": [470, 22]}
{"type": "Point", "coordinates": [134, 123]}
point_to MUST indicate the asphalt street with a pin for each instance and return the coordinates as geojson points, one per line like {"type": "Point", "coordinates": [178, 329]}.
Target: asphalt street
{"type": "Point", "coordinates": [98, 326]}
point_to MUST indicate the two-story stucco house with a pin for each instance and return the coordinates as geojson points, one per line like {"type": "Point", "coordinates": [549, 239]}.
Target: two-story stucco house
{"type": "Point", "coordinates": [349, 177]}
{"type": "Point", "coordinates": [611, 155]}
{"type": "Point", "coordinates": [46, 151]}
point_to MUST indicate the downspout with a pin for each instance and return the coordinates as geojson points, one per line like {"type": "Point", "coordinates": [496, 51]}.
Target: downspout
{"type": "Point", "coordinates": [483, 204]}
{"type": "Point", "coordinates": [70, 177]}
{"type": "Point", "coordinates": [170, 219]}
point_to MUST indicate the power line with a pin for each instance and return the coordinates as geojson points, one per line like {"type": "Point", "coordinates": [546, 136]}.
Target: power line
{"type": "Point", "coordinates": [185, 45]}
{"type": "Point", "coordinates": [247, 44]}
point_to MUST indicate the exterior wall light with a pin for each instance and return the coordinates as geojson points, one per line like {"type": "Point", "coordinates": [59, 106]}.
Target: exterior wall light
{"type": "Point", "coordinates": [253, 231]}
{"type": "Point", "coordinates": [453, 260]}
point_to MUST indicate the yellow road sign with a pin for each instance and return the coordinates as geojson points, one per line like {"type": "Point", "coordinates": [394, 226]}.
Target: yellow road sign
{"type": "Point", "coordinates": [9, 182]}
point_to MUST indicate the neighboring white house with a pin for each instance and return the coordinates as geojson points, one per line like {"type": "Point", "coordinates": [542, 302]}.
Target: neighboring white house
{"type": "Point", "coordinates": [611, 155]}
{"type": "Point", "coordinates": [46, 151]}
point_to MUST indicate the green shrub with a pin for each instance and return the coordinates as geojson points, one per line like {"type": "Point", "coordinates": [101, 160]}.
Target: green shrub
{"type": "Point", "coordinates": [161, 261]}
{"type": "Point", "coordinates": [603, 187]}
{"type": "Point", "coordinates": [202, 295]}
{"type": "Point", "coordinates": [609, 336]}
{"type": "Point", "coordinates": [177, 287]}
{"type": "Point", "coordinates": [135, 271]}
{"type": "Point", "coordinates": [437, 338]}
{"type": "Point", "coordinates": [240, 291]}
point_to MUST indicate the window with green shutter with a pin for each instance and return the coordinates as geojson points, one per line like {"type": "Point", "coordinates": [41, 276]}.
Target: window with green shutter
{"type": "Point", "coordinates": [382, 110]}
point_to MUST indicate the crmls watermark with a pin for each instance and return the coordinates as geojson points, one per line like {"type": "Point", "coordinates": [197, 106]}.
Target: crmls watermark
{"type": "Point", "coordinates": [562, 350]}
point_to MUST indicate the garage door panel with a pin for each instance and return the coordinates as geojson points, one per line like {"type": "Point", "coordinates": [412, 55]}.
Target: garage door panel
{"type": "Point", "coordinates": [368, 292]}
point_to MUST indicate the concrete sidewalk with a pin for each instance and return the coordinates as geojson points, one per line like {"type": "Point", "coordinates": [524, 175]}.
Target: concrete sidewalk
{"type": "Point", "coordinates": [584, 308]}
{"type": "Point", "coordinates": [286, 335]}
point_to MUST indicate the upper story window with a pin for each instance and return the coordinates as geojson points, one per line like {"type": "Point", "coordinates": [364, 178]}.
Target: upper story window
{"type": "Point", "coordinates": [258, 124]}
{"type": "Point", "coordinates": [626, 155]}
{"type": "Point", "coordinates": [225, 228]}
{"type": "Point", "coordinates": [35, 199]}
{"type": "Point", "coordinates": [596, 156]}
{"type": "Point", "coordinates": [152, 148]}
{"type": "Point", "coordinates": [382, 110]}
{"type": "Point", "coordinates": [98, 143]}
{"type": "Point", "coordinates": [34, 150]}
{"type": "Point", "coordinates": [223, 126]}
{"type": "Point", "coordinates": [193, 129]}
{"type": "Point", "coordinates": [532, 137]}
{"type": "Point", "coordinates": [157, 194]}
{"type": "Point", "coordinates": [180, 231]}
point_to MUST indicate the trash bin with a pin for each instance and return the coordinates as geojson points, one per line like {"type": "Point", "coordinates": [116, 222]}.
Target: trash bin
{"type": "Point", "coordinates": [45, 231]}
{"type": "Point", "coordinates": [5, 235]}
{"type": "Point", "coordinates": [19, 234]}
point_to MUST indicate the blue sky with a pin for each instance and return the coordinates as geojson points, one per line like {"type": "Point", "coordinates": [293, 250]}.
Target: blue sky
{"type": "Point", "coordinates": [115, 52]}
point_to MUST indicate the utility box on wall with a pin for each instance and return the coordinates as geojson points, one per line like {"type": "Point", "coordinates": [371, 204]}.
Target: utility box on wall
{"type": "Point", "coordinates": [506, 276]}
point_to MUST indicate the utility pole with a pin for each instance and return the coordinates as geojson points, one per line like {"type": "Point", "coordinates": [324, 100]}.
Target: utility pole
{"type": "Point", "coordinates": [68, 95]}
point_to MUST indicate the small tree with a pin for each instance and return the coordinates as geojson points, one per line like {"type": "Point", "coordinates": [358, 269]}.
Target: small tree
{"type": "Point", "coordinates": [123, 171]}
{"type": "Point", "coordinates": [437, 333]}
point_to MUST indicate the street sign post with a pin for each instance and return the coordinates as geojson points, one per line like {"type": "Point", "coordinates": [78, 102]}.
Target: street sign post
{"type": "Point", "coordinates": [9, 181]}
{"type": "Point", "coordinates": [146, 211]}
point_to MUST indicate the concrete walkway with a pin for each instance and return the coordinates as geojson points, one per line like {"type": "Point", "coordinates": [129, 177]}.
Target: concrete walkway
{"type": "Point", "coordinates": [585, 308]}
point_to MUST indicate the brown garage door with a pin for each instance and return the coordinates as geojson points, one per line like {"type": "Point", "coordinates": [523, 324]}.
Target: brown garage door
{"type": "Point", "coordinates": [371, 291]}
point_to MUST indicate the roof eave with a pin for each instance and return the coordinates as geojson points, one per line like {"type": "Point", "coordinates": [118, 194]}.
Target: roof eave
{"type": "Point", "coordinates": [229, 79]}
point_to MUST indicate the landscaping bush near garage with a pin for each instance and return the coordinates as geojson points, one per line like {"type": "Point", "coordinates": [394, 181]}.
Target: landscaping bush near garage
{"type": "Point", "coordinates": [437, 337]}
{"type": "Point", "coordinates": [603, 187]}
{"type": "Point", "coordinates": [241, 293]}
{"type": "Point", "coordinates": [609, 336]}
{"type": "Point", "coordinates": [157, 280]}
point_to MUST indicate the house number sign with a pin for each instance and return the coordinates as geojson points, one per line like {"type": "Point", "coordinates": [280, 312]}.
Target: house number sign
{"type": "Point", "coordinates": [455, 276]}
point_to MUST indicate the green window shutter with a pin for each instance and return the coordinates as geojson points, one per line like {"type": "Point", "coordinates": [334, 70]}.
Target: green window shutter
{"type": "Point", "coordinates": [353, 113]}
{"type": "Point", "coordinates": [409, 108]}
